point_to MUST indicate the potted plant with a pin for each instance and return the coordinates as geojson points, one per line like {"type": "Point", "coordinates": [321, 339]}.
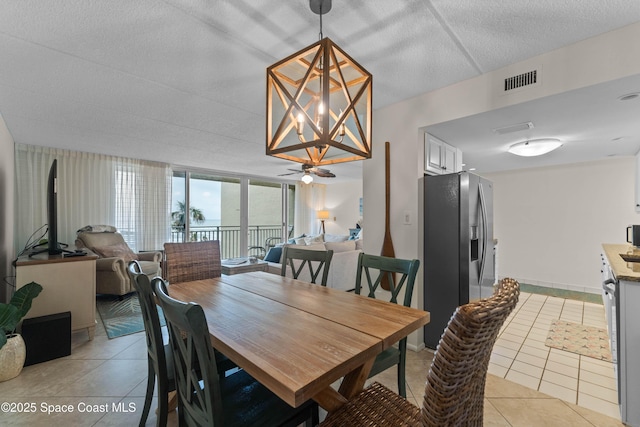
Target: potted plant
{"type": "Point", "coordinates": [12, 348]}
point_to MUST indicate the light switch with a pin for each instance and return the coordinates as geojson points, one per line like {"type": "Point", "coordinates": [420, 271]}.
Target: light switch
{"type": "Point", "coordinates": [407, 218]}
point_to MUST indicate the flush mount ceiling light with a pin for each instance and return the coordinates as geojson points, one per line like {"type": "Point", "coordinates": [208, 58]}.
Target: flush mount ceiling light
{"type": "Point", "coordinates": [319, 104]}
{"type": "Point", "coordinates": [535, 147]}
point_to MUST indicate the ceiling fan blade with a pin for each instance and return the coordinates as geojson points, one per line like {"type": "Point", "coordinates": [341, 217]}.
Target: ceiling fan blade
{"type": "Point", "coordinates": [291, 173]}
{"type": "Point", "coordinates": [324, 173]}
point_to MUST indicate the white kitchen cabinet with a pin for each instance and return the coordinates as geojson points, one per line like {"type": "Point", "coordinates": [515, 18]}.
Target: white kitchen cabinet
{"type": "Point", "coordinates": [622, 287]}
{"type": "Point", "coordinates": [440, 157]}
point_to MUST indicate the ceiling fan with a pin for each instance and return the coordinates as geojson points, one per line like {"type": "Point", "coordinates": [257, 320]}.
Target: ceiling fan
{"type": "Point", "coordinates": [307, 170]}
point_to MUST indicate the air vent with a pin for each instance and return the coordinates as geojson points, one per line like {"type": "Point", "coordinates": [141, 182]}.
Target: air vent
{"type": "Point", "coordinates": [513, 128]}
{"type": "Point", "coordinates": [521, 80]}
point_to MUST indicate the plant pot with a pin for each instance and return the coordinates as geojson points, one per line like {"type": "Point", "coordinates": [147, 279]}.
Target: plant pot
{"type": "Point", "coordinates": [12, 356]}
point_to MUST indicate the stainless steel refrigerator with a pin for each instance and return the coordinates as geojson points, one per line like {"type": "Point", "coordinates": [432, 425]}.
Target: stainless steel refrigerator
{"type": "Point", "coordinates": [458, 246]}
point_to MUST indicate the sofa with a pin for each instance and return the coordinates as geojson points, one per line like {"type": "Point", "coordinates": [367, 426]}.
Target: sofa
{"type": "Point", "coordinates": [344, 264]}
{"type": "Point", "coordinates": [112, 276]}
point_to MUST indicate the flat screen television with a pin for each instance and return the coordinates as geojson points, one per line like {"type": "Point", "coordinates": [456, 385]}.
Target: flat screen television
{"type": "Point", "coordinates": [52, 210]}
{"type": "Point", "coordinates": [53, 246]}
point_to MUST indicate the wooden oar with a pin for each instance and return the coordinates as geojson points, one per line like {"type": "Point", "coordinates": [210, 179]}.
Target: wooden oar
{"type": "Point", "coordinates": [387, 243]}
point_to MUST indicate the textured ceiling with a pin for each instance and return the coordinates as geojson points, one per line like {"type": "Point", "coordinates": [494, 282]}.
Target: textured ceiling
{"type": "Point", "coordinates": [184, 80]}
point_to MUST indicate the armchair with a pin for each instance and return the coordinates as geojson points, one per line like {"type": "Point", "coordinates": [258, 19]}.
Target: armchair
{"type": "Point", "coordinates": [112, 276]}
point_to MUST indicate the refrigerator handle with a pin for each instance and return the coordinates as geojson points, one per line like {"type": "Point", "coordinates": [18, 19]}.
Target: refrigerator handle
{"type": "Point", "coordinates": [483, 211]}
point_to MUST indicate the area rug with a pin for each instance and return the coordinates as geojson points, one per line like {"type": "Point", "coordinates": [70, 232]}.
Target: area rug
{"type": "Point", "coordinates": [121, 317]}
{"type": "Point", "coordinates": [576, 338]}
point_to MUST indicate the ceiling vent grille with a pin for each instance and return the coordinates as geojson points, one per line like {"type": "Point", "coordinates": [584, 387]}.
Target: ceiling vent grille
{"type": "Point", "coordinates": [514, 128]}
{"type": "Point", "coordinates": [524, 79]}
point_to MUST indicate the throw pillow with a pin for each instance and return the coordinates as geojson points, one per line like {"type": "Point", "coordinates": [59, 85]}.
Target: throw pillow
{"type": "Point", "coordinates": [349, 245]}
{"type": "Point", "coordinates": [310, 240]}
{"type": "Point", "coordinates": [119, 250]}
{"type": "Point", "coordinates": [314, 247]}
{"type": "Point", "coordinates": [98, 229]}
{"type": "Point", "coordinates": [335, 238]}
{"type": "Point", "coordinates": [293, 239]}
{"type": "Point", "coordinates": [274, 254]}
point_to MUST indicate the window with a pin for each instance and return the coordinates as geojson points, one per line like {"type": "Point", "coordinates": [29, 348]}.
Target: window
{"type": "Point", "coordinates": [241, 213]}
{"type": "Point", "coordinates": [93, 189]}
{"type": "Point", "coordinates": [265, 215]}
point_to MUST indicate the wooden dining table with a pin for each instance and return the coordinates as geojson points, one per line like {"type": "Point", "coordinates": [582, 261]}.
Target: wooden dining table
{"type": "Point", "coordinates": [298, 338]}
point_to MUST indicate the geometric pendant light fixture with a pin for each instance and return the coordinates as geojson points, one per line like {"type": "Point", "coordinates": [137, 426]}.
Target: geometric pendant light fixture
{"type": "Point", "coordinates": [319, 104]}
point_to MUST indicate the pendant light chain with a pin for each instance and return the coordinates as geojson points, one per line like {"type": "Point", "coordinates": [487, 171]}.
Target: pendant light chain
{"type": "Point", "coordinates": [299, 93]}
{"type": "Point", "coordinates": [320, 21]}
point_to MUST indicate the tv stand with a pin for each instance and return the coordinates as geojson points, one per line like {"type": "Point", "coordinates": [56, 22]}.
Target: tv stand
{"type": "Point", "coordinates": [68, 284]}
{"type": "Point", "coordinates": [57, 252]}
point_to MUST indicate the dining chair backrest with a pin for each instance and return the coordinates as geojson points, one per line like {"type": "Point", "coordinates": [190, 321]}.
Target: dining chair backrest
{"type": "Point", "coordinates": [454, 392]}
{"type": "Point", "coordinates": [208, 398]}
{"type": "Point", "coordinates": [400, 272]}
{"type": "Point", "coordinates": [316, 262]}
{"type": "Point", "coordinates": [185, 262]}
{"type": "Point", "coordinates": [159, 366]}
{"type": "Point", "coordinates": [194, 360]}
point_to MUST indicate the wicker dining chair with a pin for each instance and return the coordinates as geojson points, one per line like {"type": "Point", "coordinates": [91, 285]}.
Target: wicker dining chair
{"type": "Point", "coordinates": [454, 393]}
{"type": "Point", "coordinates": [206, 398]}
{"type": "Point", "coordinates": [401, 275]}
{"type": "Point", "coordinates": [316, 261]}
{"type": "Point", "coordinates": [185, 262]}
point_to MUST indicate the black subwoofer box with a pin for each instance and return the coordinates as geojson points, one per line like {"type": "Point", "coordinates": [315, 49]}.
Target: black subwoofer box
{"type": "Point", "coordinates": [47, 337]}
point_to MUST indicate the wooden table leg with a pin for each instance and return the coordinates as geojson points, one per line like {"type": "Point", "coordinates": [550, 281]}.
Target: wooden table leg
{"type": "Point", "coordinates": [173, 401]}
{"type": "Point", "coordinates": [352, 384]}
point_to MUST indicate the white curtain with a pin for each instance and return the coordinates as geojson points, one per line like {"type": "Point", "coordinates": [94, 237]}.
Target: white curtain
{"type": "Point", "coordinates": [309, 199]}
{"type": "Point", "coordinates": [132, 195]}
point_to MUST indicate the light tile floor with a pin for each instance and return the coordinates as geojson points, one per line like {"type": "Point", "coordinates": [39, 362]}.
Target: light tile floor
{"type": "Point", "coordinates": [520, 354]}
{"type": "Point", "coordinates": [103, 383]}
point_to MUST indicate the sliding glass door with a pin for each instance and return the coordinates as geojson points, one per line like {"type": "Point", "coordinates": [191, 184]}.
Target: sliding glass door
{"type": "Point", "coordinates": [245, 215]}
{"type": "Point", "coordinates": [265, 216]}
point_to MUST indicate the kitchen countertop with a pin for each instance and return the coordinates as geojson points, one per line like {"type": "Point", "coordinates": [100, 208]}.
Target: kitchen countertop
{"type": "Point", "coordinates": [621, 269]}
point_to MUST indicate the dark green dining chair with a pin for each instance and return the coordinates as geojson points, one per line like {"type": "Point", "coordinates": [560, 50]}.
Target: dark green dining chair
{"type": "Point", "coordinates": [206, 398]}
{"type": "Point", "coordinates": [316, 261]}
{"type": "Point", "coordinates": [159, 356]}
{"type": "Point", "coordinates": [160, 359]}
{"type": "Point", "coordinates": [401, 274]}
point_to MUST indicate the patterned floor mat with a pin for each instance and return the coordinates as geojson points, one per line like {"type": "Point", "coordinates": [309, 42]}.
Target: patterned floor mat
{"type": "Point", "coordinates": [581, 339]}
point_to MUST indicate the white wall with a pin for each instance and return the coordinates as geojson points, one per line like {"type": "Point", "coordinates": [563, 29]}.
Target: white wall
{"type": "Point", "coordinates": [607, 57]}
{"type": "Point", "coordinates": [7, 184]}
{"type": "Point", "coordinates": [343, 203]}
{"type": "Point", "coordinates": [551, 222]}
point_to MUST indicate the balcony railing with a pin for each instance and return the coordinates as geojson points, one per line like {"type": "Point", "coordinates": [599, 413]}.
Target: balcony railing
{"type": "Point", "coordinates": [229, 237]}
